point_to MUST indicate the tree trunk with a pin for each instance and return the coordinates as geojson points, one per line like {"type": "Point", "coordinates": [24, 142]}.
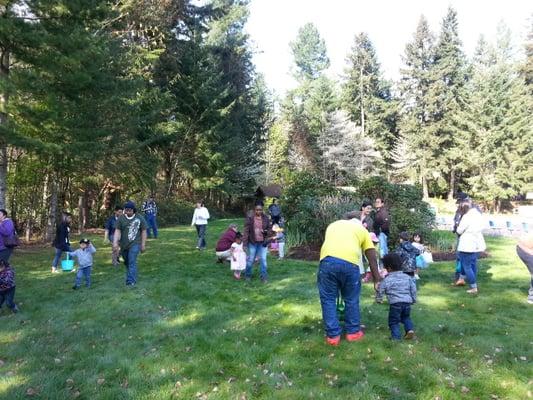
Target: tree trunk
{"type": "Point", "coordinates": [362, 103]}
{"type": "Point", "coordinates": [4, 74]}
{"type": "Point", "coordinates": [452, 185]}
{"type": "Point", "coordinates": [52, 211]}
{"type": "Point", "coordinates": [425, 189]}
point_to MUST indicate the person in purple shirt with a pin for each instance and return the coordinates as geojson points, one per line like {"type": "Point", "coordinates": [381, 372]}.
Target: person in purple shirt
{"type": "Point", "coordinates": [7, 229]}
{"type": "Point", "coordinates": [223, 249]}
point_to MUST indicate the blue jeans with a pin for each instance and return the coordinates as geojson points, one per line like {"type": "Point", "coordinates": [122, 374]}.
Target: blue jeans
{"type": "Point", "coordinates": [201, 230]}
{"type": "Point", "coordinates": [400, 312]}
{"type": "Point", "coordinates": [130, 260]}
{"type": "Point", "coordinates": [336, 275]}
{"type": "Point", "coordinates": [83, 272]}
{"type": "Point", "coordinates": [57, 257]}
{"type": "Point", "coordinates": [256, 250]}
{"type": "Point", "coordinates": [152, 225]}
{"type": "Point", "coordinates": [8, 296]}
{"type": "Point", "coordinates": [383, 245]}
{"type": "Point", "coordinates": [469, 267]}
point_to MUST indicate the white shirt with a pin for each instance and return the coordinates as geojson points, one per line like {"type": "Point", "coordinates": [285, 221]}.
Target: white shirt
{"type": "Point", "coordinates": [471, 239]}
{"type": "Point", "coordinates": [200, 216]}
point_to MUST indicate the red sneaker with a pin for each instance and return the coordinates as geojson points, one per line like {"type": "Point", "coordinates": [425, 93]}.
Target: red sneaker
{"type": "Point", "coordinates": [354, 337]}
{"type": "Point", "coordinates": [333, 341]}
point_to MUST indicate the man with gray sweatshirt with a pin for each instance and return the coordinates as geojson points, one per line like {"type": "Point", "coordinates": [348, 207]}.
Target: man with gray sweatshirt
{"type": "Point", "coordinates": [400, 289]}
{"type": "Point", "coordinates": [85, 262]}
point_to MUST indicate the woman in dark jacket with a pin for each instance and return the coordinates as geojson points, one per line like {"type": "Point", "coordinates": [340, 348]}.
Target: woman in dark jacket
{"type": "Point", "coordinates": [61, 240]}
{"type": "Point", "coordinates": [256, 236]}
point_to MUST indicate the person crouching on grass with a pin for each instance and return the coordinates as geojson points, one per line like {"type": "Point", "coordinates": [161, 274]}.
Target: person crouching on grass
{"type": "Point", "coordinates": [85, 261]}
{"type": "Point", "coordinates": [7, 286]}
{"type": "Point", "coordinates": [400, 289]}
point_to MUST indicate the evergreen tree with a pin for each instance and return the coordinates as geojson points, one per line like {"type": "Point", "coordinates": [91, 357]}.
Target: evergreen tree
{"type": "Point", "coordinates": [501, 143]}
{"type": "Point", "coordinates": [306, 108]}
{"type": "Point", "coordinates": [367, 96]}
{"type": "Point", "coordinates": [309, 52]}
{"type": "Point", "coordinates": [414, 152]}
{"type": "Point", "coordinates": [449, 76]}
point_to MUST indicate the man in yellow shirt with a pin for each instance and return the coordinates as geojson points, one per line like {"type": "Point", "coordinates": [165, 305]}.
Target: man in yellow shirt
{"type": "Point", "coordinates": [340, 257]}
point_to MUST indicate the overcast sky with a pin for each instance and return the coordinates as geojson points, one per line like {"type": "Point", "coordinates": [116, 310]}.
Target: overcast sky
{"type": "Point", "coordinates": [390, 24]}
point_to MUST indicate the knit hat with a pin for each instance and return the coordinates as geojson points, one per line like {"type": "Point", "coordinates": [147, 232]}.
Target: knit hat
{"type": "Point", "coordinates": [129, 204]}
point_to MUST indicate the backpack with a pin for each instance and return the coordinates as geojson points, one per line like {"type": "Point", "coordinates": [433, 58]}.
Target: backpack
{"type": "Point", "coordinates": [12, 240]}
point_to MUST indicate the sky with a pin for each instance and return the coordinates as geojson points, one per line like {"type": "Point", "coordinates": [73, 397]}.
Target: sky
{"type": "Point", "coordinates": [390, 24]}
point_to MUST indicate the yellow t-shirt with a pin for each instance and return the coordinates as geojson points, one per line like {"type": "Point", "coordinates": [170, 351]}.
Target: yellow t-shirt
{"type": "Point", "coordinates": [346, 240]}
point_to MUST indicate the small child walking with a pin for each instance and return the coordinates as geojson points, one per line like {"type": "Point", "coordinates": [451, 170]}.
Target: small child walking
{"type": "Point", "coordinates": [280, 240]}
{"type": "Point", "coordinates": [7, 286]}
{"type": "Point", "coordinates": [408, 254]}
{"type": "Point", "coordinates": [417, 244]}
{"type": "Point", "coordinates": [85, 262]}
{"type": "Point", "coordinates": [400, 290]}
{"type": "Point", "coordinates": [238, 257]}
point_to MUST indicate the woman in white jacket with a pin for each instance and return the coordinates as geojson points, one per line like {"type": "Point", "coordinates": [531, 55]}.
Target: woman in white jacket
{"type": "Point", "coordinates": [199, 219]}
{"type": "Point", "coordinates": [471, 243]}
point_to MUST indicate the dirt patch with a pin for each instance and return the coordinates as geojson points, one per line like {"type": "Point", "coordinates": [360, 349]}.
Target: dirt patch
{"type": "Point", "coordinates": [451, 256]}
{"type": "Point", "coordinates": [306, 252]}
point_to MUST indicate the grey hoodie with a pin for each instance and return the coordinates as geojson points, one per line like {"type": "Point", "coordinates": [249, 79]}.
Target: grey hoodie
{"type": "Point", "coordinates": [85, 257]}
{"type": "Point", "coordinates": [399, 288]}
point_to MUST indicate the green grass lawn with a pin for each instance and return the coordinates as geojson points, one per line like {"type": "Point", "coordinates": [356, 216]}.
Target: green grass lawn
{"type": "Point", "coordinates": [189, 331]}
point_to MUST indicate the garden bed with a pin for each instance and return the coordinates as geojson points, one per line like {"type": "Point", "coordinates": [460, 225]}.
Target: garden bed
{"type": "Point", "coordinates": [312, 253]}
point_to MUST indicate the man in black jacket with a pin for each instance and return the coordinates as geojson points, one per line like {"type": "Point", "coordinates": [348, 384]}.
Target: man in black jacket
{"type": "Point", "coordinates": [61, 241]}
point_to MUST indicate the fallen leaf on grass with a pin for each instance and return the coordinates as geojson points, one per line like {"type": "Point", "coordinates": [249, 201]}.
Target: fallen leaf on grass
{"type": "Point", "coordinates": [464, 389]}
{"type": "Point", "coordinates": [70, 382]}
{"type": "Point", "coordinates": [100, 381]}
{"type": "Point", "coordinates": [124, 384]}
{"type": "Point", "coordinates": [388, 360]}
{"type": "Point", "coordinates": [523, 358]}
{"type": "Point", "coordinates": [57, 360]}
{"type": "Point", "coordinates": [31, 392]}
{"type": "Point", "coordinates": [232, 379]}
{"type": "Point", "coordinates": [76, 394]}
{"type": "Point", "coordinates": [2, 363]}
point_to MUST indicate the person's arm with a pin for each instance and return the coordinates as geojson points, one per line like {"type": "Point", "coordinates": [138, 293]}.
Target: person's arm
{"type": "Point", "coordinates": [92, 249]}
{"type": "Point", "coordinates": [194, 217]}
{"type": "Point", "coordinates": [372, 258]}
{"type": "Point", "coordinates": [232, 252]}
{"type": "Point", "coordinates": [207, 216]}
{"type": "Point", "coordinates": [412, 289]}
{"type": "Point", "coordinates": [246, 232]}
{"type": "Point", "coordinates": [6, 227]}
{"type": "Point", "coordinates": [463, 224]}
{"type": "Point", "coordinates": [116, 238]}
{"type": "Point", "coordinates": [144, 236]}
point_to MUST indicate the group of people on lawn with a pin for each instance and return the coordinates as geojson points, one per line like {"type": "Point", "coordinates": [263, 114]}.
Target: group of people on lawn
{"type": "Point", "coordinates": [349, 245]}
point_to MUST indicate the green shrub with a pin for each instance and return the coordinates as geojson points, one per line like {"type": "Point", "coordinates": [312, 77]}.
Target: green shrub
{"type": "Point", "coordinates": [174, 211]}
{"type": "Point", "coordinates": [407, 209]}
{"type": "Point", "coordinates": [442, 241]}
{"type": "Point", "coordinates": [310, 205]}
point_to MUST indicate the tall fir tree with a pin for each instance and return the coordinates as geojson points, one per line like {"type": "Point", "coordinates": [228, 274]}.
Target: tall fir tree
{"type": "Point", "coordinates": [414, 150]}
{"type": "Point", "coordinates": [449, 76]}
{"type": "Point", "coordinates": [367, 97]}
{"type": "Point", "coordinates": [501, 143]}
{"type": "Point", "coordinates": [307, 107]}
